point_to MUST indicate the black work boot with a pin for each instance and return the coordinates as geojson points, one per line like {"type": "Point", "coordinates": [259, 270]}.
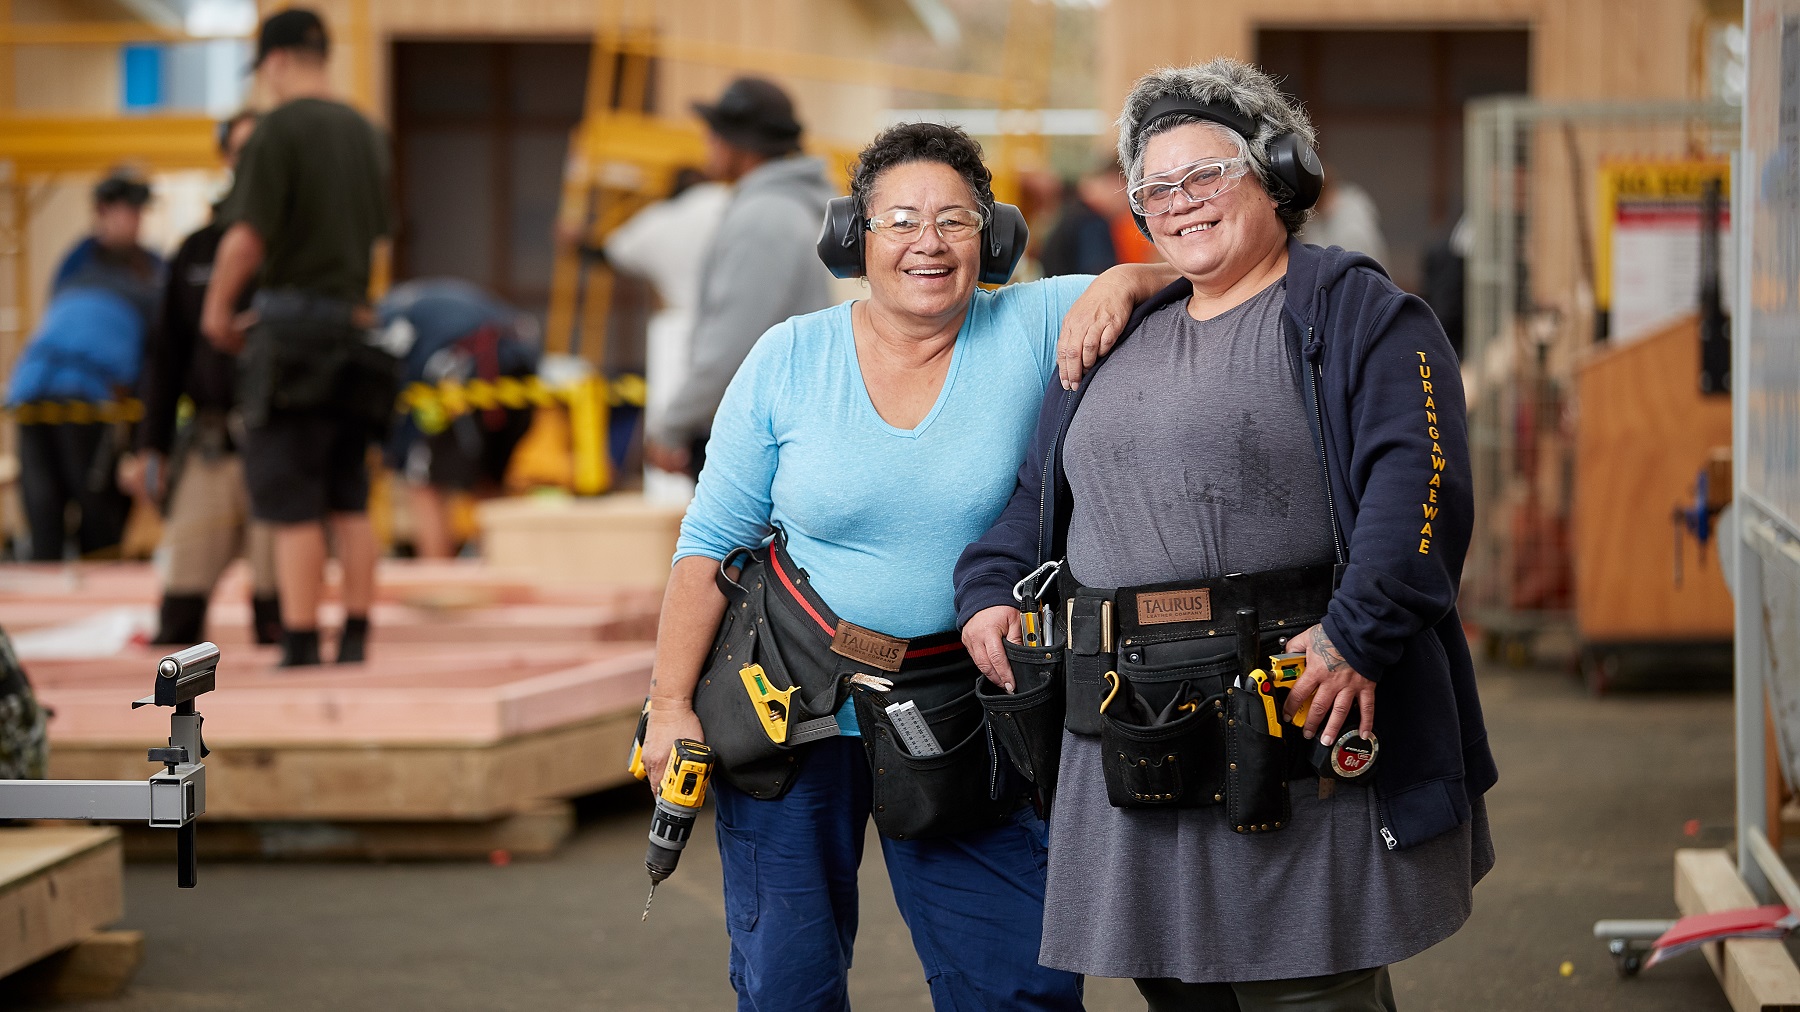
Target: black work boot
{"type": "Point", "coordinates": [299, 648]}
{"type": "Point", "coordinates": [183, 619]}
{"type": "Point", "coordinates": [265, 619]}
{"type": "Point", "coordinates": [353, 645]}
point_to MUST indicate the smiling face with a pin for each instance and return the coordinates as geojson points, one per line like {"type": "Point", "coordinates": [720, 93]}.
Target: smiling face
{"type": "Point", "coordinates": [924, 276]}
{"type": "Point", "coordinates": [1217, 242]}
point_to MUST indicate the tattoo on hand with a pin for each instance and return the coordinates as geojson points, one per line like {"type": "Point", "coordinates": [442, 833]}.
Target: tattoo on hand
{"type": "Point", "coordinates": [1322, 643]}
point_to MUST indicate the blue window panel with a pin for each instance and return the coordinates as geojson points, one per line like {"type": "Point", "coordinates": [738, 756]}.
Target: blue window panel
{"type": "Point", "coordinates": [142, 72]}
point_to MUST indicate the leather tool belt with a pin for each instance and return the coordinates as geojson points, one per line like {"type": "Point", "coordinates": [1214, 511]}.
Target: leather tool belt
{"type": "Point", "coordinates": [1159, 673]}
{"type": "Point", "coordinates": [783, 663]}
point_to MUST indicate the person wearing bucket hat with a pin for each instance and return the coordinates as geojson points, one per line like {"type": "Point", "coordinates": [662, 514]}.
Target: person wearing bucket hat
{"type": "Point", "coordinates": [760, 268]}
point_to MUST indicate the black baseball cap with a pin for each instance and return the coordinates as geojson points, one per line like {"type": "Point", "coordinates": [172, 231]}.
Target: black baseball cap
{"type": "Point", "coordinates": [756, 115]}
{"type": "Point", "coordinates": [122, 187]}
{"type": "Point", "coordinates": [294, 28]}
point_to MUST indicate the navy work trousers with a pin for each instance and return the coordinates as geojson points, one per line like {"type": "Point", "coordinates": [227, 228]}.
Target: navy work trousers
{"type": "Point", "coordinates": [974, 903]}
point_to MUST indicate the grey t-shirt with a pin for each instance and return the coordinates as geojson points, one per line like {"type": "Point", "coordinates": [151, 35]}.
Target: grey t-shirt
{"type": "Point", "coordinates": [1191, 457]}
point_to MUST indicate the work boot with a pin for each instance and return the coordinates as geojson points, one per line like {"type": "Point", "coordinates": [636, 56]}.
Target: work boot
{"type": "Point", "coordinates": [354, 643]}
{"type": "Point", "coordinates": [299, 648]}
{"type": "Point", "coordinates": [183, 619]}
{"type": "Point", "coordinates": [265, 619]}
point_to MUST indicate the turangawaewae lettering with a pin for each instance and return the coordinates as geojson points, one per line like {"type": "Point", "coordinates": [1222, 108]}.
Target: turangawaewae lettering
{"type": "Point", "coordinates": [868, 646]}
{"type": "Point", "coordinates": [1165, 606]}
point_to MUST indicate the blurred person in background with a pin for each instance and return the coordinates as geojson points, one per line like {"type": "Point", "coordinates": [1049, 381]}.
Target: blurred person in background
{"type": "Point", "coordinates": [1347, 218]}
{"type": "Point", "coordinates": [1445, 269]}
{"type": "Point", "coordinates": [665, 244]}
{"type": "Point", "coordinates": [196, 470]}
{"type": "Point", "coordinates": [1103, 189]}
{"type": "Point", "coordinates": [448, 329]}
{"type": "Point", "coordinates": [1261, 438]}
{"type": "Point", "coordinates": [761, 267]}
{"type": "Point", "coordinates": [308, 205]}
{"type": "Point", "coordinates": [1081, 242]}
{"type": "Point", "coordinates": [88, 349]}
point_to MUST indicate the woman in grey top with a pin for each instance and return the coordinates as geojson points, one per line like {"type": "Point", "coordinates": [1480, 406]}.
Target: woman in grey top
{"type": "Point", "coordinates": [1281, 407]}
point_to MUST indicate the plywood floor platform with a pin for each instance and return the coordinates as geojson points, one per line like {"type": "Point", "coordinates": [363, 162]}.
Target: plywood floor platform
{"type": "Point", "coordinates": [483, 698]}
{"type": "Point", "coordinates": [58, 885]}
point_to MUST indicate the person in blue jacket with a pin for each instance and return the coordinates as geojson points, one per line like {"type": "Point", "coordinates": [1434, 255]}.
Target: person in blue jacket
{"type": "Point", "coordinates": [446, 329]}
{"type": "Point", "coordinates": [85, 356]}
{"type": "Point", "coordinates": [881, 436]}
{"type": "Point", "coordinates": [1280, 406]}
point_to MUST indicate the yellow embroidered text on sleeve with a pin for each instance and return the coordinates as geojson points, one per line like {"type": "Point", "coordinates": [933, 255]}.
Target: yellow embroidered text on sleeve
{"type": "Point", "coordinates": [1430, 506]}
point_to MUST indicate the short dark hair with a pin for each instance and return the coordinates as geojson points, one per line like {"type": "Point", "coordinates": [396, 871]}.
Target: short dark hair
{"type": "Point", "coordinates": [922, 142]}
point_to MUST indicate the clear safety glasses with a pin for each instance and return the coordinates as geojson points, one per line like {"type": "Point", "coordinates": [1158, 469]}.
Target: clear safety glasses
{"type": "Point", "coordinates": [1197, 181]}
{"type": "Point", "coordinates": [956, 224]}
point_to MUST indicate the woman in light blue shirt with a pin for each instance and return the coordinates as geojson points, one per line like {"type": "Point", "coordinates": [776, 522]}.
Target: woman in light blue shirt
{"type": "Point", "coordinates": [879, 437]}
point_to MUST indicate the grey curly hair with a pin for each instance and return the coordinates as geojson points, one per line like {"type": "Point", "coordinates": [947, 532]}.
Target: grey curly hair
{"type": "Point", "coordinates": [1221, 81]}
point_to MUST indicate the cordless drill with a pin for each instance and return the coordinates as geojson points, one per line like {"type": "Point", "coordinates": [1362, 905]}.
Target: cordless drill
{"type": "Point", "coordinates": [683, 791]}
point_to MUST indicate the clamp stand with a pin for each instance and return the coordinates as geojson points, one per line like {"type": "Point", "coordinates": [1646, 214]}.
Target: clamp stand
{"type": "Point", "coordinates": [172, 799]}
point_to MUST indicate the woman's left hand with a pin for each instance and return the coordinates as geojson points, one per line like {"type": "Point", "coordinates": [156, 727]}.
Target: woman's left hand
{"type": "Point", "coordinates": [1332, 685]}
{"type": "Point", "coordinates": [1097, 319]}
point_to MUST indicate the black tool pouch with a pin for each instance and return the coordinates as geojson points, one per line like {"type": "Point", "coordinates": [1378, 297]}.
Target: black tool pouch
{"type": "Point", "coordinates": [1256, 770]}
{"type": "Point", "coordinates": [1167, 756]}
{"type": "Point", "coordinates": [1028, 722]}
{"type": "Point", "coordinates": [917, 797]}
{"type": "Point", "coordinates": [1090, 657]}
{"type": "Point", "coordinates": [765, 627]}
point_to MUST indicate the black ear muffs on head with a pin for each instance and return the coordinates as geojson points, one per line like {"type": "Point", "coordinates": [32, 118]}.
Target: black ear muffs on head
{"type": "Point", "coordinates": [1292, 161]}
{"type": "Point", "coordinates": [841, 241]}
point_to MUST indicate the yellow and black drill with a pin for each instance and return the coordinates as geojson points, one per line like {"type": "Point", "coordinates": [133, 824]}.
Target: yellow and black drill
{"type": "Point", "coordinates": [678, 804]}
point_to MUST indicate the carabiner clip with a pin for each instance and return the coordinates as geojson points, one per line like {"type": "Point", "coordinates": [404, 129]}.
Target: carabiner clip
{"type": "Point", "coordinates": [1046, 570]}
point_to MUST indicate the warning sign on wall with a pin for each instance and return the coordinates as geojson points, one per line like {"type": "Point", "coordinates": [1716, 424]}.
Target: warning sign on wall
{"type": "Point", "coordinates": [1651, 216]}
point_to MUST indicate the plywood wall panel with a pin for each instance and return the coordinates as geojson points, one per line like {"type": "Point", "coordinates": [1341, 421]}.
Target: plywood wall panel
{"type": "Point", "coordinates": [1581, 49]}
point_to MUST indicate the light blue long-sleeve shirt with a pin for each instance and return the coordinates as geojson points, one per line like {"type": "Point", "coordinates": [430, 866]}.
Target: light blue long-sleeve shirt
{"type": "Point", "coordinates": [877, 515]}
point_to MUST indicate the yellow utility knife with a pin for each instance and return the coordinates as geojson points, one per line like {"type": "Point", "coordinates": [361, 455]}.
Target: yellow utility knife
{"type": "Point", "coordinates": [1265, 691]}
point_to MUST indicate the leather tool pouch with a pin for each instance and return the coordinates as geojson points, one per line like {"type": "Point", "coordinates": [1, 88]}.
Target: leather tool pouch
{"type": "Point", "coordinates": [1090, 657]}
{"type": "Point", "coordinates": [965, 788]}
{"type": "Point", "coordinates": [766, 625]}
{"type": "Point", "coordinates": [1174, 763]}
{"type": "Point", "coordinates": [1257, 765]}
{"type": "Point", "coordinates": [1028, 723]}
{"type": "Point", "coordinates": [306, 353]}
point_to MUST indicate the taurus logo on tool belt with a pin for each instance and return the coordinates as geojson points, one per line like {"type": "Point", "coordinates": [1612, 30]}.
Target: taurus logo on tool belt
{"type": "Point", "coordinates": [868, 646]}
{"type": "Point", "coordinates": [1174, 606]}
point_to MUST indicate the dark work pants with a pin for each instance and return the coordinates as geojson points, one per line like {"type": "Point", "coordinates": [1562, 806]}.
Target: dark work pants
{"type": "Point", "coordinates": [974, 902]}
{"type": "Point", "coordinates": [1354, 991]}
{"type": "Point", "coordinates": [59, 465]}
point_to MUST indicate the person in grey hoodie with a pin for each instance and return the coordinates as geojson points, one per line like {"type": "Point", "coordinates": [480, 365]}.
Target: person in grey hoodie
{"type": "Point", "coordinates": [761, 268]}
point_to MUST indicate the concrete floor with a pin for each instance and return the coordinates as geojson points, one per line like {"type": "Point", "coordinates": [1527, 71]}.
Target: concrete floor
{"type": "Point", "coordinates": [1590, 808]}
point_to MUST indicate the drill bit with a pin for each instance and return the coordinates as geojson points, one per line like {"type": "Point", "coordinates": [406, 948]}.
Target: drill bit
{"type": "Point", "coordinates": [647, 903]}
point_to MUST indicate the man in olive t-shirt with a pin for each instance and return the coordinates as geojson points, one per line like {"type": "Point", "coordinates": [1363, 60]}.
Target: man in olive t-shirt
{"type": "Point", "coordinates": [308, 204]}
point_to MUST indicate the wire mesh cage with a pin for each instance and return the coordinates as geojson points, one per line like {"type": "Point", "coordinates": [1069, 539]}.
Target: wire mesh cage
{"type": "Point", "coordinates": [1533, 268]}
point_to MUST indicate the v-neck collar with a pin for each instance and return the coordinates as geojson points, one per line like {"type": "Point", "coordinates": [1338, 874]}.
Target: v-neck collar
{"type": "Point", "coordinates": [943, 397]}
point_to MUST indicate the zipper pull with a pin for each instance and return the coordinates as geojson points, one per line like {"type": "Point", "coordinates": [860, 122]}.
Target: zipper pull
{"type": "Point", "coordinates": [1388, 837]}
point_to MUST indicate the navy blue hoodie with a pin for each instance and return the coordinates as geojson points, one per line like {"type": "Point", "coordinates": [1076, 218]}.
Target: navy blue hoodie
{"type": "Point", "coordinates": [1389, 415]}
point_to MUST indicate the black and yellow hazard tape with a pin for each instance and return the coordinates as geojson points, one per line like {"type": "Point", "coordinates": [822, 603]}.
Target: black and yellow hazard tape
{"type": "Point", "coordinates": [434, 406]}
{"type": "Point", "coordinates": [78, 412]}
